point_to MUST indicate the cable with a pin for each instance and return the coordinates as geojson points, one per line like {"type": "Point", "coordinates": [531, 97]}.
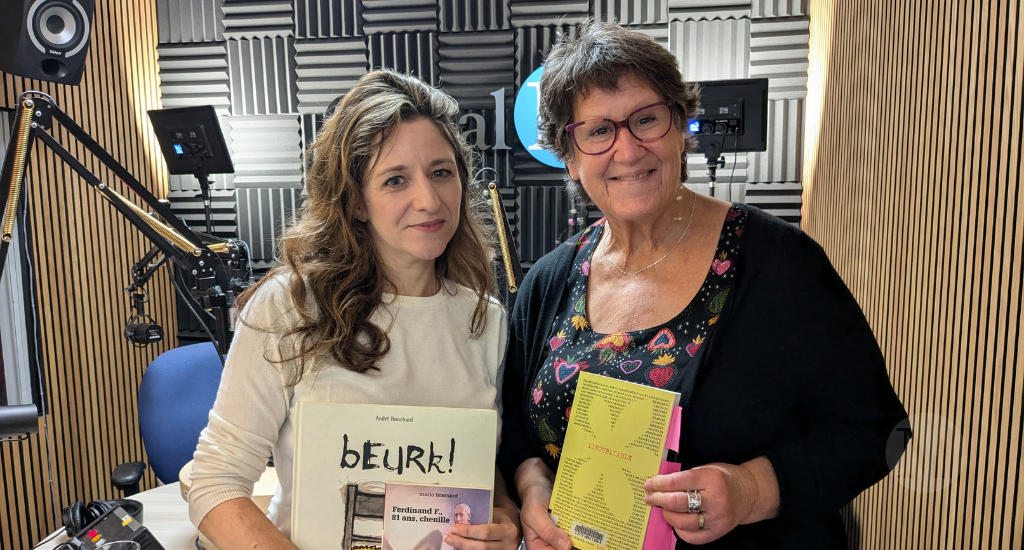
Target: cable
{"type": "Point", "coordinates": [174, 280]}
{"type": "Point", "coordinates": [735, 151]}
{"type": "Point", "coordinates": [248, 257]}
{"type": "Point", "coordinates": [36, 93]}
{"type": "Point", "coordinates": [49, 538]}
{"type": "Point", "coordinates": [26, 257]}
{"type": "Point", "coordinates": [202, 323]}
{"type": "Point", "coordinates": [482, 170]}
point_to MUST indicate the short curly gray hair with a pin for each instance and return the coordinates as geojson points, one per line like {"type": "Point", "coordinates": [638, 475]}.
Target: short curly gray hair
{"type": "Point", "coordinates": [597, 58]}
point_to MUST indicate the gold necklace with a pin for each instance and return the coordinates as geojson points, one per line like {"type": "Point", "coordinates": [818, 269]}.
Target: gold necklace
{"type": "Point", "coordinates": [693, 205]}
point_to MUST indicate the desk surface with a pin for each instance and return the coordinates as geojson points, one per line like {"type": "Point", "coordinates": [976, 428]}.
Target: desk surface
{"type": "Point", "coordinates": [165, 514]}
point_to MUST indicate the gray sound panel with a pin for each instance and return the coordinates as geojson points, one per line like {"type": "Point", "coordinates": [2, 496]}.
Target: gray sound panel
{"type": "Point", "coordinates": [188, 185]}
{"type": "Point", "coordinates": [531, 172]}
{"type": "Point", "coordinates": [473, 15]}
{"type": "Point", "coordinates": [267, 151]}
{"type": "Point", "coordinates": [729, 192]}
{"type": "Point", "coordinates": [328, 18]}
{"type": "Point", "coordinates": [532, 44]}
{"type": "Point", "coordinates": [779, 199]}
{"type": "Point", "coordinates": [262, 216]}
{"type": "Point", "coordinates": [660, 33]}
{"type": "Point", "coordinates": [631, 12]}
{"type": "Point", "coordinates": [684, 10]}
{"type": "Point", "coordinates": [778, 8]}
{"type": "Point", "coordinates": [192, 75]}
{"type": "Point", "coordinates": [414, 53]}
{"type": "Point", "coordinates": [189, 21]}
{"type": "Point", "coordinates": [285, 61]}
{"type": "Point", "coordinates": [257, 18]}
{"type": "Point", "coordinates": [311, 125]}
{"type": "Point", "coordinates": [735, 170]}
{"type": "Point", "coordinates": [326, 69]}
{"type": "Point", "coordinates": [473, 65]}
{"type": "Point", "coordinates": [399, 16]}
{"type": "Point", "coordinates": [783, 161]}
{"type": "Point", "coordinates": [262, 76]}
{"type": "Point", "coordinates": [544, 220]}
{"type": "Point", "coordinates": [189, 206]}
{"type": "Point", "coordinates": [711, 50]}
{"type": "Point", "coordinates": [779, 51]}
{"type": "Point", "coordinates": [527, 13]}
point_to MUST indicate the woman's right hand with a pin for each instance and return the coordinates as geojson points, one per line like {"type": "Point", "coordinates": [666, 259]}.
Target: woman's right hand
{"type": "Point", "coordinates": [534, 481]}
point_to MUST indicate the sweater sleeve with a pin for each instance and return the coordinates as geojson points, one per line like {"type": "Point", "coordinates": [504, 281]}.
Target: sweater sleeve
{"type": "Point", "coordinates": [251, 406]}
{"type": "Point", "coordinates": [536, 305]}
{"type": "Point", "coordinates": [515, 439]}
{"type": "Point", "coordinates": [804, 332]}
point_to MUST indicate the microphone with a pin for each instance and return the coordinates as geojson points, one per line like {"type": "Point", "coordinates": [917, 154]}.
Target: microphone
{"type": "Point", "coordinates": [139, 332]}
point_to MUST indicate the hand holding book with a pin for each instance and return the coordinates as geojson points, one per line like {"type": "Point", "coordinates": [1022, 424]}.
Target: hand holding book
{"type": "Point", "coordinates": [502, 533]}
{"type": "Point", "coordinates": [728, 499]}
{"type": "Point", "coordinates": [731, 495]}
{"type": "Point", "coordinates": [534, 481]}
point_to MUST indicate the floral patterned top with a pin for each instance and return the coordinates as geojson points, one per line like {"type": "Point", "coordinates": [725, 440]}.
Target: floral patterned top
{"type": "Point", "coordinates": [664, 356]}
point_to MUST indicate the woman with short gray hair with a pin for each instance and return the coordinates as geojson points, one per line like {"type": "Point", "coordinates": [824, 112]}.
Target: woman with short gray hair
{"type": "Point", "coordinates": [787, 406]}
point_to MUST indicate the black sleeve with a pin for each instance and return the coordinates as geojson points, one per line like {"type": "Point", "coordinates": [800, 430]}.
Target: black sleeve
{"type": "Point", "coordinates": [515, 439]}
{"type": "Point", "coordinates": [798, 330]}
{"type": "Point", "coordinates": [534, 310]}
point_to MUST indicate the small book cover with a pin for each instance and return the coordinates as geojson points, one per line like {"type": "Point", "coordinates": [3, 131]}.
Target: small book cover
{"type": "Point", "coordinates": [417, 517]}
{"type": "Point", "coordinates": [615, 441]}
{"type": "Point", "coordinates": [345, 454]}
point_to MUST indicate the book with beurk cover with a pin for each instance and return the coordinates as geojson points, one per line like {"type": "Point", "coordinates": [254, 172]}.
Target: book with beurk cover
{"type": "Point", "coordinates": [345, 454]}
{"type": "Point", "coordinates": [417, 517]}
{"type": "Point", "coordinates": [615, 441]}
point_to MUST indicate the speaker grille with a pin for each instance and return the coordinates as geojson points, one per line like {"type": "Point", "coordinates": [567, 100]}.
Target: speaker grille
{"type": "Point", "coordinates": [58, 26]}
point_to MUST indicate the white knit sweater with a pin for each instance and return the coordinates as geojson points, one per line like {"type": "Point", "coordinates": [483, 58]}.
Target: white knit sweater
{"type": "Point", "coordinates": [433, 362]}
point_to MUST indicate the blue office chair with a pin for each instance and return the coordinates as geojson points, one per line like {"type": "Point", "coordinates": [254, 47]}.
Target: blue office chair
{"type": "Point", "coordinates": [175, 397]}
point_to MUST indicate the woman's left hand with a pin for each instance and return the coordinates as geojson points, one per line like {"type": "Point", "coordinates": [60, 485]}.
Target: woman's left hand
{"type": "Point", "coordinates": [730, 495]}
{"type": "Point", "coordinates": [503, 534]}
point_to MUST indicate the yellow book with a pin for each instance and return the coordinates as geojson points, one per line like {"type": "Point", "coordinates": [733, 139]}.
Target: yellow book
{"type": "Point", "coordinates": [615, 441]}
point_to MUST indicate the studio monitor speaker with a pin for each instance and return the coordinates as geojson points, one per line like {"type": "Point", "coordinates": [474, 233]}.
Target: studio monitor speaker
{"type": "Point", "coordinates": [45, 39]}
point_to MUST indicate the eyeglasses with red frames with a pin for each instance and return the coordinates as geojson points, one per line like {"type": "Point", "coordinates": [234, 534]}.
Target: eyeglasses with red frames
{"type": "Point", "coordinates": [597, 135]}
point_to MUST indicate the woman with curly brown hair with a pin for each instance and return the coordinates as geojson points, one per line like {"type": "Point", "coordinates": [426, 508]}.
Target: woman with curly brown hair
{"type": "Point", "coordinates": [787, 407]}
{"type": "Point", "coordinates": [385, 297]}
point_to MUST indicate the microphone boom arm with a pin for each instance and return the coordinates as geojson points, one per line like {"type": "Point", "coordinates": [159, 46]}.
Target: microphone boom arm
{"type": "Point", "coordinates": [204, 257]}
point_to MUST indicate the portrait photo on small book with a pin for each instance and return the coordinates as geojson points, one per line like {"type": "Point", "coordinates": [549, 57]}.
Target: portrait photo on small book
{"type": "Point", "coordinates": [417, 517]}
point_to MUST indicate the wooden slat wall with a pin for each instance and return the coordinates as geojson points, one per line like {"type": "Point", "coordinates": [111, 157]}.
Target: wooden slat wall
{"type": "Point", "coordinates": [912, 186]}
{"type": "Point", "coordinates": [83, 252]}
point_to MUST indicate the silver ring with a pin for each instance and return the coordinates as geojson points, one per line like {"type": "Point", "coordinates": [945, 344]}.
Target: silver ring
{"type": "Point", "coordinates": [693, 501]}
{"type": "Point", "coordinates": [700, 519]}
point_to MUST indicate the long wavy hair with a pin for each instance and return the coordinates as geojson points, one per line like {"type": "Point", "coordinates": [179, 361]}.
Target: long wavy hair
{"type": "Point", "coordinates": [337, 278]}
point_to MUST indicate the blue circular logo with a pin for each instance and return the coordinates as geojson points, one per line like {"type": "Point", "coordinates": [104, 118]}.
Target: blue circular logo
{"type": "Point", "coordinates": [525, 116]}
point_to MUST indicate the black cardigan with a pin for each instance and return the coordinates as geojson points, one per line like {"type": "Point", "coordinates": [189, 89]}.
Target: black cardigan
{"type": "Point", "coordinates": [792, 373]}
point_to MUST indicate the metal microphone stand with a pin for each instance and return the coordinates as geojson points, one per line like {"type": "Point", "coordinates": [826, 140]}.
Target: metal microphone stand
{"type": "Point", "coordinates": [214, 263]}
